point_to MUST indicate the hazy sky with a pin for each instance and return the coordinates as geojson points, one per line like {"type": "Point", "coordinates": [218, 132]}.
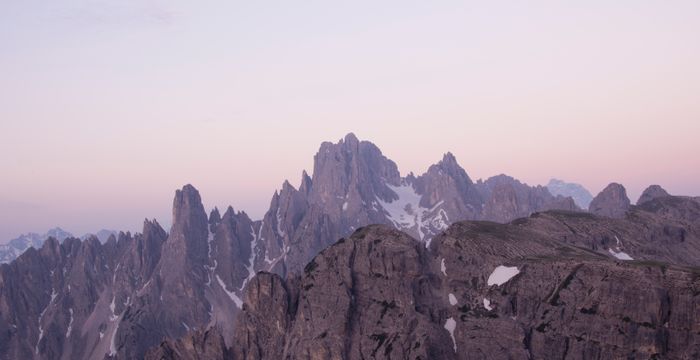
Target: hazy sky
{"type": "Point", "coordinates": [106, 107]}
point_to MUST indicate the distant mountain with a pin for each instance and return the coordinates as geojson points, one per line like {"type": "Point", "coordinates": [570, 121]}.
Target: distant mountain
{"type": "Point", "coordinates": [16, 247]}
{"type": "Point", "coordinates": [581, 196]}
{"type": "Point", "coordinates": [102, 235]}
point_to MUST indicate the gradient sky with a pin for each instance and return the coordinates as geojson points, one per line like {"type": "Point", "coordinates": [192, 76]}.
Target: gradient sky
{"type": "Point", "coordinates": [106, 107]}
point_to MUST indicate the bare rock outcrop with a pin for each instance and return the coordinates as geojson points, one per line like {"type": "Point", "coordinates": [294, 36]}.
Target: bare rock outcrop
{"type": "Point", "coordinates": [611, 202]}
{"type": "Point", "coordinates": [482, 291]}
{"type": "Point", "coordinates": [651, 193]}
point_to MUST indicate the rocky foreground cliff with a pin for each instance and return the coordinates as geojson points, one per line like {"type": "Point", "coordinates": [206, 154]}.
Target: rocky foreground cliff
{"type": "Point", "coordinates": [551, 286]}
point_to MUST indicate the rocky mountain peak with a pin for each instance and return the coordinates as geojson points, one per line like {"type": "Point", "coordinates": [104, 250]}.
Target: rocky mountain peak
{"type": "Point", "coordinates": [350, 140]}
{"type": "Point", "coordinates": [611, 202]}
{"type": "Point", "coordinates": [151, 226]}
{"type": "Point", "coordinates": [287, 187]}
{"type": "Point", "coordinates": [187, 203]}
{"type": "Point", "coordinates": [351, 166]}
{"type": "Point", "coordinates": [51, 249]}
{"type": "Point", "coordinates": [447, 183]}
{"type": "Point", "coordinates": [189, 224]}
{"type": "Point", "coordinates": [448, 160]}
{"type": "Point", "coordinates": [214, 218]}
{"type": "Point", "coordinates": [651, 193]}
{"type": "Point", "coordinates": [229, 213]}
{"type": "Point", "coordinates": [305, 186]}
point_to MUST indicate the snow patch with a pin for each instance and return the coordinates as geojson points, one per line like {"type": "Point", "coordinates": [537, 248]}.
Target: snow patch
{"type": "Point", "coordinates": [114, 277]}
{"type": "Point", "coordinates": [210, 241]}
{"type": "Point", "coordinates": [451, 325]}
{"type": "Point", "coordinates": [230, 294]}
{"type": "Point", "coordinates": [502, 274]}
{"type": "Point", "coordinates": [144, 286]}
{"type": "Point", "coordinates": [618, 253]}
{"type": "Point", "coordinates": [345, 206]}
{"type": "Point", "coordinates": [453, 299]}
{"type": "Point", "coordinates": [443, 268]}
{"type": "Point", "coordinates": [251, 260]}
{"type": "Point", "coordinates": [112, 343]}
{"type": "Point", "coordinates": [112, 307]}
{"type": "Point", "coordinates": [487, 304]}
{"type": "Point", "coordinates": [274, 261]}
{"type": "Point", "coordinates": [70, 323]}
{"type": "Point", "coordinates": [279, 222]}
{"type": "Point", "coordinates": [406, 213]}
{"type": "Point", "coordinates": [41, 317]}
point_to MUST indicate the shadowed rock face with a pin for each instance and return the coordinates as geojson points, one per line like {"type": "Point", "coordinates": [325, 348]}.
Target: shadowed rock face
{"type": "Point", "coordinates": [379, 295]}
{"type": "Point", "coordinates": [651, 193]}
{"type": "Point", "coordinates": [200, 345]}
{"type": "Point", "coordinates": [611, 202]}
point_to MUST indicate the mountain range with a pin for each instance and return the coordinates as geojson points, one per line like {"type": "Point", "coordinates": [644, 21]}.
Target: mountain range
{"type": "Point", "coordinates": [15, 247]}
{"type": "Point", "coordinates": [361, 262]}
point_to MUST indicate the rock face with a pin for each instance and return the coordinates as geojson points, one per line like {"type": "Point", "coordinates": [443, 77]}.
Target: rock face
{"type": "Point", "coordinates": [581, 196]}
{"type": "Point", "coordinates": [482, 291]}
{"type": "Point", "coordinates": [651, 193]}
{"type": "Point", "coordinates": [508, 198]}
{"type": "Point", "coordinates": [201, 345]}
{"type": "Point", "coordinates": [354, 185]}
{"type": "Point", "coordinates": [611, 202]}
{"type": "Point", "coordinates": [88, 300]}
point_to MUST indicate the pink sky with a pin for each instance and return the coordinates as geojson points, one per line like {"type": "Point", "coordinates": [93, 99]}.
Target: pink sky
{"type": "Point", "coordinates": [106, 109]}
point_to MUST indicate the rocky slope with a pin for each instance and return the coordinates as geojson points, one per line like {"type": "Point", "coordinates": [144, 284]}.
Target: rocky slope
{"type": "Point", "coordinates": [87, 300]}
{"type": "Point", "coordinates": [482, 291]}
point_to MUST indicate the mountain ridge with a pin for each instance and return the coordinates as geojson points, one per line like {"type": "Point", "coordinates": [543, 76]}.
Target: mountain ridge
{"type": "Point", "coordinates": [122, 298]}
